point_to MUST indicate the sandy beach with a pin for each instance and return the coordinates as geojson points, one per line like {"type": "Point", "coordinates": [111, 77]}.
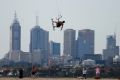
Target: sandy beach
{"type": "Point", "coordinates": [54, 79]}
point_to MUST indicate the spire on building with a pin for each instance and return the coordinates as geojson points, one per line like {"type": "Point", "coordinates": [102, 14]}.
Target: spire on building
{"type": "Point", "coordinates": [15, 17]}
{"type": "Point", "coordinates": [114, 35]}
{"type": "Point", "coordinates": [37, 20]}
{"type": "Point", "coordinates": [115, 32]}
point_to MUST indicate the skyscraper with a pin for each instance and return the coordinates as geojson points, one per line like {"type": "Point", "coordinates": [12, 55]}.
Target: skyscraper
{"type": "Point", "coordinates": [39, 38]}
{"type": "Point", "coordinates": [69, 43]}
{"type": "Point", "coordinates": [54, 48]}
{"type": "Point", "coordinates": [111, 49]}
{"type": "Point", "coordinates": [85, 42]}
{"type": "Point", "coordinates": [39, 41]}
{"type": "Point", "coordinates": [15, 40]}
{"type": "Point", "coordinates": [111, 41]}
{"type": "Point", "coordinates": [15, 35]}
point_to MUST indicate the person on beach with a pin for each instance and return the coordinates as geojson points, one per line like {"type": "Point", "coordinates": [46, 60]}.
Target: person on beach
{"type": "Point", "coordinates": [34, 70]}
{"type": "Point", "coordinates": [20, 73]}
{"type": "Point", "coordinates": [97, 70]}
{"type": "Point", "coordinates": [84, 72]}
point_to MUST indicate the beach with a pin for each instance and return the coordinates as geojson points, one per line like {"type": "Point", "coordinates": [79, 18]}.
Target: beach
{"type": "Point", "coordinates": [55, 79]}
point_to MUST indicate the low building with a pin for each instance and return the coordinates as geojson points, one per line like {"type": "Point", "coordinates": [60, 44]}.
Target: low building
{"type": "Point", "coordinates": [39, 57]}
{"type": "Point", "coordinates": [14, 56]}
{"type": "Point", "coordinates": [92, 56]}
{"type": "Point", "coordinates": [25, 57]}
{"type": "Point", "coordinates": [89, 62]}
{"type": "Point", "coordinates": [116, 58]}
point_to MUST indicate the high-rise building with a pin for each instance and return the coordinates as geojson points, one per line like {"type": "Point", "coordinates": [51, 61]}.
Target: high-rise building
{"type": "Point", "coordinates": [39, 43]}
{"type": "Point", "coordinates": [111, 41]}
{"type": "Point", "coordinates": [15, 35]}
{"type": "Point", "coordinates": [85, 42]}
{"type": "Point", "coordinates": [54, 48]}
{"type": "Point", "coordinates": [39, 39]}
{"type": "Point", "coordinates": [111, 50]}
{"type": "Point", "coordinates": [15, 40]}
{"type": "Point", "coordinates": [69, 43]}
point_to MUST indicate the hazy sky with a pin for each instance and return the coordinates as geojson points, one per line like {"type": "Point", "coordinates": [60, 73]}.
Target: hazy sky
{"type": "Point", "coordinates": [103, 16]}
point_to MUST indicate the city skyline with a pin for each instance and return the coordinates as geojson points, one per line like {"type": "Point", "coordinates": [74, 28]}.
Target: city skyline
{"type": "Point", "coordinates": [101, 16]}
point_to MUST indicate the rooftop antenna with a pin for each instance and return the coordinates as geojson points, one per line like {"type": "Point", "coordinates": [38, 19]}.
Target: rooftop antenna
{"type": "Point", "coordinates": [15, 15]}
{"type": "Point", "coordinates": [115, 32]}
{"type": "Point", "coordinates": [37, 20]}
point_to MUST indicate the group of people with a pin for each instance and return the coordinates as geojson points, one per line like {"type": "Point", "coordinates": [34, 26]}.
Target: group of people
{"type": "Point", "coordinates": [84, 72]}
{"type": "Point", "coordinates": [97, 71]}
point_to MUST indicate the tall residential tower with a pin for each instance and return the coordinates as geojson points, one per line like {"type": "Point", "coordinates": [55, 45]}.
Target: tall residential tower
{"type": "Point", "coordinates": [15, 35]}
{"type": "Point", "coordinates": [69, 43]}
{"type": "Point", "coordinates": [85, 42]}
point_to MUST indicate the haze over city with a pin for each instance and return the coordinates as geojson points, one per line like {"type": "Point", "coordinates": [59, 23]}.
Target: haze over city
{"type": "Point", "coordinates": [103, 16]}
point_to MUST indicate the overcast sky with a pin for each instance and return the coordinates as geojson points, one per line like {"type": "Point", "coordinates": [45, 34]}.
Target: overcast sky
{"type": "Point", "coordinates": [103, 16]}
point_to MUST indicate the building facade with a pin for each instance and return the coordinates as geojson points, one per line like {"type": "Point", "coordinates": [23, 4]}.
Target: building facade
{"type": "Point", "coordinates": [92, 56]}
{"type": "Point", "coordinates": [15, 35]}
{"type": "Point", "coordinates": [39, 39]}
{"type": "Point", "coordinates": [111, 48]}
{"type": "Point", "coordinates": [54, 48]}
{"type": "Point", "coordinates": [85, 42]}
{"type": "Point", "coordinates": [69, 43]}
{"type": "Point", "coordinates": [39, 43]}
{"type": "Point", "coordinates": [15, 41]}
